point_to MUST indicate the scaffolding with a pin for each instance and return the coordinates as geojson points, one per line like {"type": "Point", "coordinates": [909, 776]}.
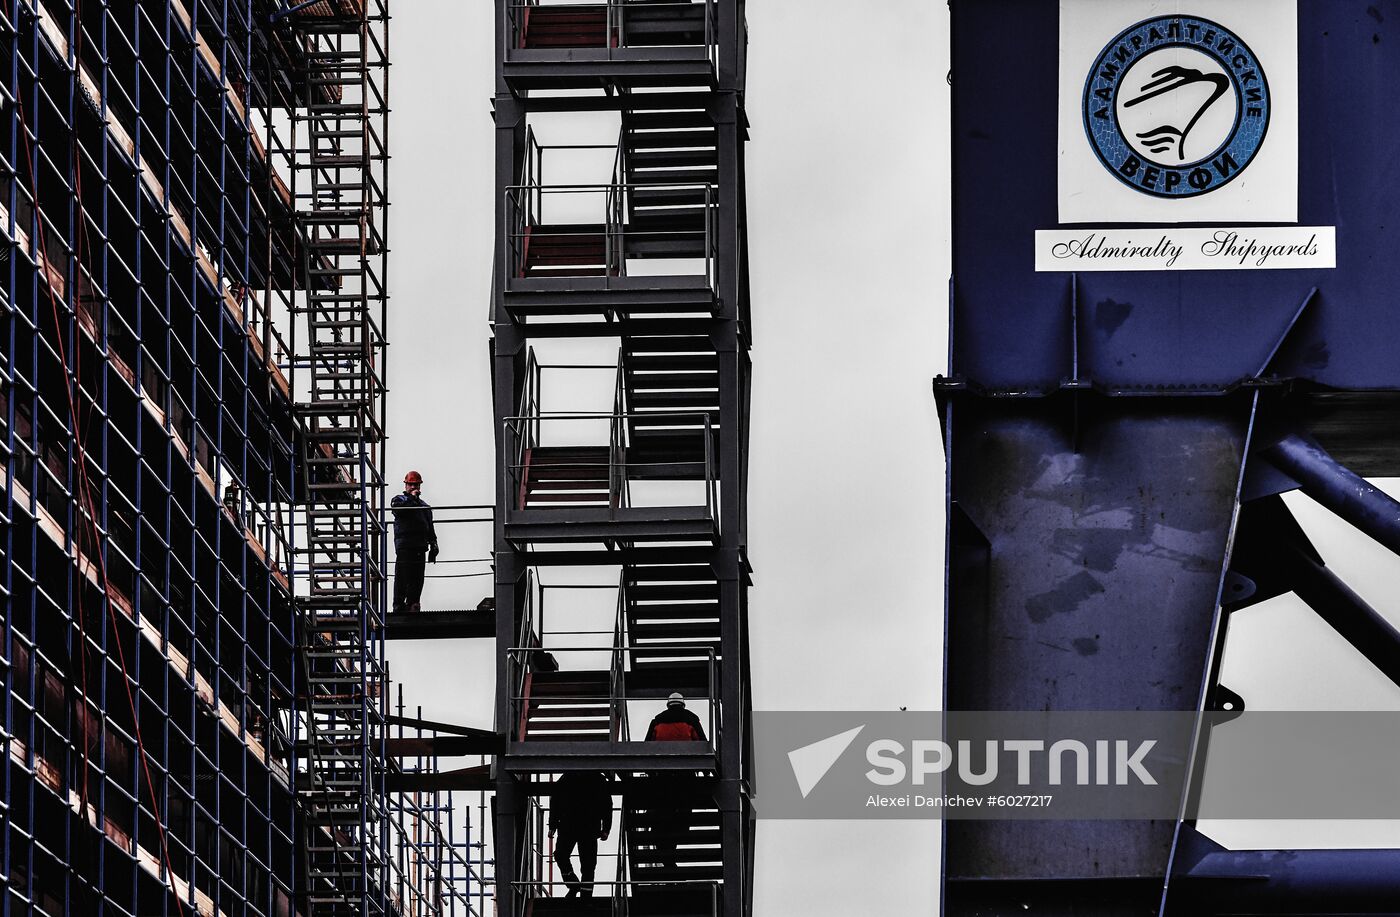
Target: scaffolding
{"type": "Point", "coordinates": [193, 281]}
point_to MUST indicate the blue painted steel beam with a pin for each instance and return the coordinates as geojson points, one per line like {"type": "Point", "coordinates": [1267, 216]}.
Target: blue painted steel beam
{"type": "Point", "coordinates": [1338, 488]}
{"type": "Point", "coordinates": [1316, 882]}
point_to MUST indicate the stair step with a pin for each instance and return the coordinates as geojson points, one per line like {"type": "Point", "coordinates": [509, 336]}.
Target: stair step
{"type": "Point", "coordinates": [691, 194]}
{"type": "Point", "coordinates": [593, 499]}
{"type": "Point", "coordinates": [658, 573]}
{"type": "Point", "coordinates": [569, 471]}
{"type": "Point", "coordinates": [702, 136]}
{"type": "Point", "coordinates": [643, 119]}
{"type": "Point", "coordinates": [662, 631]}
{"type": "Point", "coordinates": [675, 400]}
{"type": "Point", "coordinates": [565, 27]}
{"type": "Point", "coordinates": [555, 682]}
{"type": "Point", "coordinates": [645, 826]}
{"type": "Point", "coordinates": [682, 158]}
{"type": "Point", "coordinates": [560, 466]}
{"type": "Point", "coordinates": [564, 259]}
{"type": "Point", "coordinates": [692, 650]}
{"type": "Point", "coordinates": [675, 379]}
{"type": "Point", "coordinates": [681, 433]}
{"type": "Point", "coordinates": [669, 362]}
{"type": "Point", "coordinates": [664, 17]}
{"type": "Point", "coordinates": [665, 234]}
{"type": "Point", "coordinates": [707, 835]}
{"type": "Point", "coordinates": [690, 177]}
{"type": "Point", "coordinates": [576, 736]}
{"type": "Point", "coordinates": [643, 856]}
{"type": "Point", "coordinates": [653, 591]}
{"type": "Point", "coordinates": [542, 729]}
{"type": "Point", "coordinates": [567, 240]}
{"type": "Point", "coordinates": [586, 721]}
{"type": "Point", "coordinates": [589, 484]}
{"type": "Point", "coordinates": [668, 343]}
{"type": "Point", "coordinates": [568, 707]}
{"type": "Point", "coordinates": [570, 272]}
{"type": "Point", "coordinates": [645, 613]}
{"type": "Point", "coordinates": [569, 453]}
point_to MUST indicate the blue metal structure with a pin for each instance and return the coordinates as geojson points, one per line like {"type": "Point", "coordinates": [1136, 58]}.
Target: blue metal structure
{"type": "Point", "coordinates": [1116, 445]}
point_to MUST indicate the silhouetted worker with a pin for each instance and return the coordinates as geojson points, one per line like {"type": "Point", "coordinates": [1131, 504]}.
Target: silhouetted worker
{"type": "Point", "coordinates": [675, 723]}
{"type": "Point", "coordinates": [580, 809]}
{"type": "Point", "coordinates": [414, 541]}
{"type": "Point", "coordinates": [674, 790]}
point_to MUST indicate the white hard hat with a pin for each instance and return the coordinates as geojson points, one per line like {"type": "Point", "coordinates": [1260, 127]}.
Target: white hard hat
{"type": "Point", "coordinates": [676, 699]}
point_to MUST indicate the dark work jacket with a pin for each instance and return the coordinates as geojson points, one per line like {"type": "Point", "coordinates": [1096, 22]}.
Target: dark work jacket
{"type": "Point", "coordinates": [581, 803]}
{"type": "Point", "coordinates": [676, 715]}
{"type": "Point", "coordinates": [413, 523]}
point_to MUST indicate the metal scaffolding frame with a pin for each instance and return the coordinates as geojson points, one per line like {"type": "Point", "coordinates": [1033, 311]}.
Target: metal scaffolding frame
{"type": "Point", "coordinates": [192, 288]}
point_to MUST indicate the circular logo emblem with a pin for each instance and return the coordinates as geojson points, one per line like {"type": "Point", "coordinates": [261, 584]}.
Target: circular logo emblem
{"type": "Point", "coordinates": [1176, 106]}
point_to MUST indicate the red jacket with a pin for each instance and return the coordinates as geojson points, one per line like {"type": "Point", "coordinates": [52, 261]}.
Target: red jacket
{"type": "Point", "coordinates": [675, 724]}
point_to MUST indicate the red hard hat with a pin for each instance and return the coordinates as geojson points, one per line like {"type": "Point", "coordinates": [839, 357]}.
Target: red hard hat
{"type": "Point", "coordinates": [413, 477]}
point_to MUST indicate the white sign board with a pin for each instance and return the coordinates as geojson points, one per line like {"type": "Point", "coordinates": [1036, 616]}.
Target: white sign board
{"type": "Point", "coordinates": [1178, 112]}
{"type": "Point", "coordinates": [1174, 249]}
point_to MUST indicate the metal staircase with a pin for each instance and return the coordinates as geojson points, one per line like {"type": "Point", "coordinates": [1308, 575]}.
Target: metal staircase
{"type": "Point", "coordinates": [654, 256]}
{"type": "Point", "coordinates": [340, 190]}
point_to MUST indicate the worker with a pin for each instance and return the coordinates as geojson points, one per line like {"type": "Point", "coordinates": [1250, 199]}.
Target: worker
{"type": "Point", "coordinates": [673, 792]}
{"type": "Point", "coordinates": [580, 810]}
{"type": "Point", "coordinates": [675, 723]}
{"type": "Point", "coordinates": [414, 540]}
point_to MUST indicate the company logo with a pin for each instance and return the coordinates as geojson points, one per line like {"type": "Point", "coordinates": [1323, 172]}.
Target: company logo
{"type": "Point", "coordinates": [1035, 761]}
{"type": "Point", "coordinates": [1176, 106]}
{"type": "Point", "coordinates": [811, 763]}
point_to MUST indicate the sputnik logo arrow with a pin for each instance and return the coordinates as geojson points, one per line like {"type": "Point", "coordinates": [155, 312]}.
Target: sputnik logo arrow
{"type": "Point", "coordinates": [810, 763]}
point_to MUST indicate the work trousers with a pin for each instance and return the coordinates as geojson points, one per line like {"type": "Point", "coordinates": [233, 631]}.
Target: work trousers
{"type": "Point", "coordinates": [409, 565]}
{"type": "Point", "coordinates": [587, 843]}
{"type": "Point", "coordinates": [670, 808]}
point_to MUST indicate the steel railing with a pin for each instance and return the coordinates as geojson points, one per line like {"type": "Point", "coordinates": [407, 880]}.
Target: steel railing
{"type": "Point", "coordinates": [526, 216]}
{"type": "Point", "coordinates": [621, 893]}
{"type": "Point", "coordinates": [617, 32]}
{"type": "Point", "coordinates": [610, 702]}
{"type": "Point", "coordinates": [523, 437]}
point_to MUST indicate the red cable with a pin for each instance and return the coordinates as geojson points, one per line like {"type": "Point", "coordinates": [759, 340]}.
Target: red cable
{"type": "Point", "coordinates": [87, 503]}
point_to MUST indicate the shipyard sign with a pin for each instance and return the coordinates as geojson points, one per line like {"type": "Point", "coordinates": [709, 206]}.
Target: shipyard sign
{"type": "Point", "coordinates": [1185, 114]}
{"type": "Point", "coordinates": [1176, 106]}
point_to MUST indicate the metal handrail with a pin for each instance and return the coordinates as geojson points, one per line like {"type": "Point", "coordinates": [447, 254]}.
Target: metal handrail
{"type": "Point", "coordinates": [619, 730]}
{"type": "Point", "coordinates": [526, 634]}
{"type": "Point", "coordinates": [615, 24]}
{"type": "Point", "coordinates": [532, 862]}
{"type": "Point", "coordinates": [618, 492]}
{"type": "Point", "coordinates": [620, 906]}
{"type": "Point", "coordinates": [613, 255]}
{"type": "Point", "coordinates": [515, 472]}
{"type": "Point", "coordinates": [525, 205]}
{"type": "Point", "coordinates": [619, 892]}
{"type": "Point", "coordinates": [618, 682]}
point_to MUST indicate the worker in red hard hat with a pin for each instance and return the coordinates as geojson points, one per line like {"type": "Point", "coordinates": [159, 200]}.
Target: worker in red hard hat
{"type": "Point", "coordinates": [415, 541]}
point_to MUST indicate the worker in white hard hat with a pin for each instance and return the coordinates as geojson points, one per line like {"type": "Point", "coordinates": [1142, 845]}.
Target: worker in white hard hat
{"type": "Point", "coordinates": [674, 792]}
{"type": "Point", "coordinates": [675, 723]}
